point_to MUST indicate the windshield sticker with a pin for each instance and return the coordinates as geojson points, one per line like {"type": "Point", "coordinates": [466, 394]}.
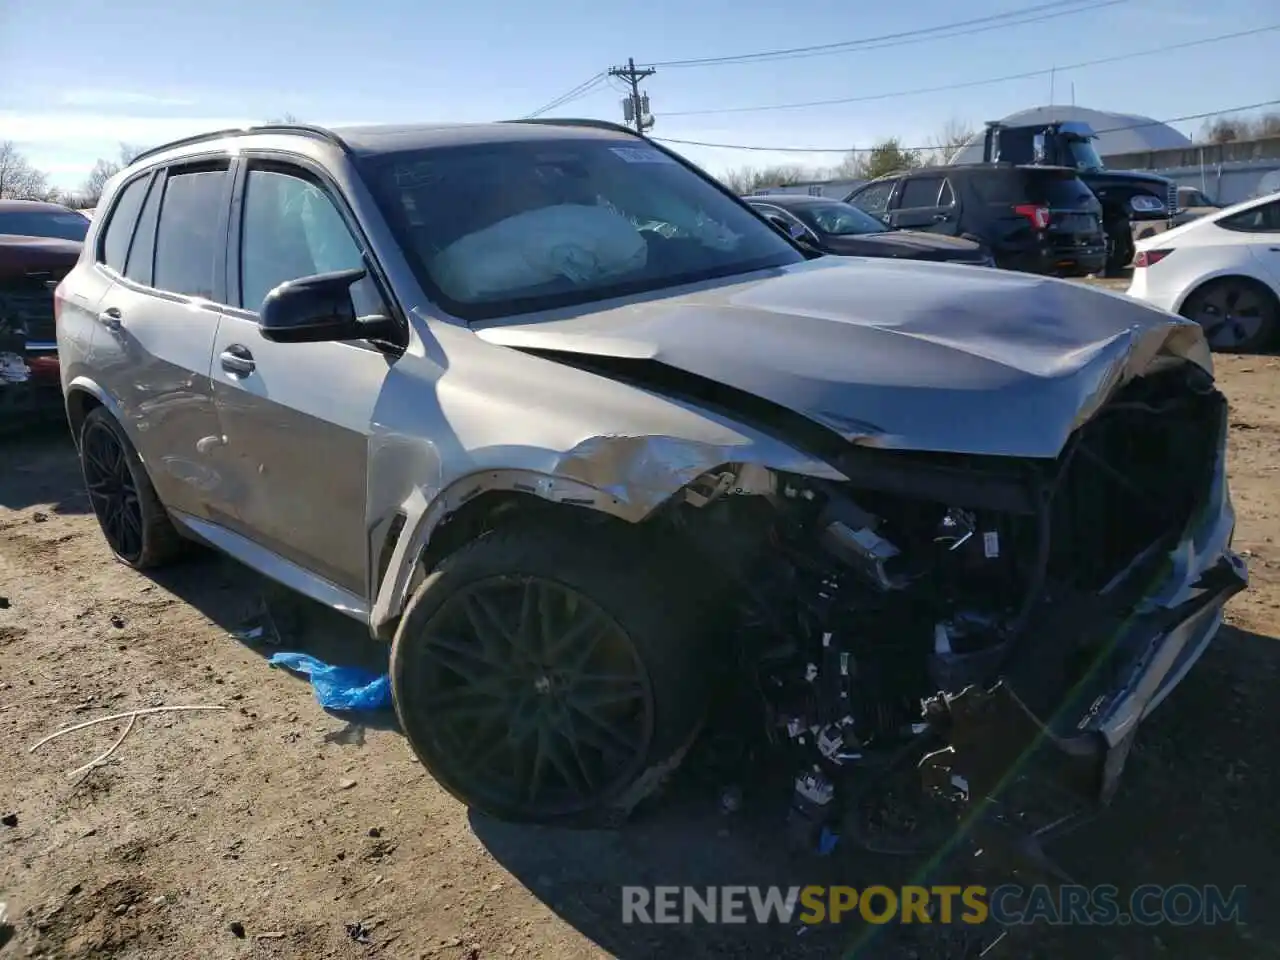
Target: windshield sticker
{"type": "Point", "coordinates": [641, 155]}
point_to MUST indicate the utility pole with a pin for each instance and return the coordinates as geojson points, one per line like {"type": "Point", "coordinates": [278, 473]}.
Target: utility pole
{"type": "Point", "coordinates": [635, 108]}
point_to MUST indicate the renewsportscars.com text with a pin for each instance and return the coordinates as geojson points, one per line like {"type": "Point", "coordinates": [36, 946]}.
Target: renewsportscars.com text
{"type": "Point", "coordinates": [1007, 905]}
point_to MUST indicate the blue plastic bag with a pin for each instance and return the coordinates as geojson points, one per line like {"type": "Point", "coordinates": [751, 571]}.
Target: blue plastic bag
{"type": "Point", "coordinates": [339, 688]}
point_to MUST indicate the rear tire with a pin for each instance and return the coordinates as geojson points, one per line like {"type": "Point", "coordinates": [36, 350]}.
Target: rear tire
{"type": "Point", "coordinates": [134, 522]}
{"type": "Point", "coordinates": [549, 672]}
{"type": "Point", "coordinates": [1238, 314]}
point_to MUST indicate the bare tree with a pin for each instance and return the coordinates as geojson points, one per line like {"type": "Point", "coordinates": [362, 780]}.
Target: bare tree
{"type": "Point", "coordinates": [1228, 129]}
{"type": "Point", "coordinates": [949, 141]}
{"type": "Point", "coordinates": [852, 167]}
{"type": "Point", "coordinates": [747, 180]}
{"type": "Point", "coordinates": [19, 180]}
{"type": "Point", "coordinates": [91, 190]}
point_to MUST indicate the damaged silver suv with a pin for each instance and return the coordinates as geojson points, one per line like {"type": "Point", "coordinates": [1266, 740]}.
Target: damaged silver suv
{"type": "Point", "coordinates": [589, 442]}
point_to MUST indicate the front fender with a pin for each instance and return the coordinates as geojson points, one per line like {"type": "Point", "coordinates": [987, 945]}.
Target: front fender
{"type": "Point", "coordinates": [624, 477]}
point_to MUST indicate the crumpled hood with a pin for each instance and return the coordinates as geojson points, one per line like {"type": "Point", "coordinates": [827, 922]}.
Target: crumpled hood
{"type": "Point", "coordinates": [893, 353]}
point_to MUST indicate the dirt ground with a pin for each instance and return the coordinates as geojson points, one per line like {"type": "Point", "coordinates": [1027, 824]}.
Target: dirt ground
{"type": "Point", "coordinates": [274, 829]}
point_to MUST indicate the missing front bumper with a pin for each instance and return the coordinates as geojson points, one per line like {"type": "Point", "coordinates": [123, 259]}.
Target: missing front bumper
{"type": "Point", "coordinates": [1087, 734]}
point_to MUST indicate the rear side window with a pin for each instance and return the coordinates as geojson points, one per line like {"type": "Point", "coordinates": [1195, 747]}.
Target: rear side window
{"type": "Point", "coordinates": [142, 253]}
{"type": "Point", "coordinates": [920, 192]}
{"type": "Point", "coordinates": [121, 218]}
{"type": "Point", "coordinates": [188, 235]}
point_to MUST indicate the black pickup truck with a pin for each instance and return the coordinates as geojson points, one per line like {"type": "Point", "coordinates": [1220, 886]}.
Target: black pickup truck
{"type": "Point", "coordinates": [1127, 196]}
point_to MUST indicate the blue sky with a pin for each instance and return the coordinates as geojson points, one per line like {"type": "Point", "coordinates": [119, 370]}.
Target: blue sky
{"type": "Point", "coordinates": [144, 71]}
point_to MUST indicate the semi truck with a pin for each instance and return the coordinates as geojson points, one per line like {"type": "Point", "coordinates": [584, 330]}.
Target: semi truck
{"type": "Point", "coordinates": [1127, 196]}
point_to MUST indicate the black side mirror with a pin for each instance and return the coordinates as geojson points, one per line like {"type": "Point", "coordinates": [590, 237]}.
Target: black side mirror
{"type": "Point", "coordinates": [312, 309]}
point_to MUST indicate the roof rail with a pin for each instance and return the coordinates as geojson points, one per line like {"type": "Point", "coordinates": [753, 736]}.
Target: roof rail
{"type": "Point", "coordinates": [298, 128]}
{"type": "Point", "coordinates": [580, 122]}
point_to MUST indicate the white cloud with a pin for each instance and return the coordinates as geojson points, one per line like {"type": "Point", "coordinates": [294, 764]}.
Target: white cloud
{"type": "Point", "coordinates": [75, 128]}
{"type": "Point", "coordinates": [119, 98]}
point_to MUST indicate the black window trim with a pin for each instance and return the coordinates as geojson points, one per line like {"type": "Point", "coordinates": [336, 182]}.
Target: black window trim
{"type": "Point", "coordinates": [100, 240]}
{"type": "Point", "coordinates": [176, 167]}
{"type": "Point", "coordinates": [304, 168]}
{"type": "Point", "coordinates": [157, 185]}
{"type": "Point", "coordinates": [1224, 223]}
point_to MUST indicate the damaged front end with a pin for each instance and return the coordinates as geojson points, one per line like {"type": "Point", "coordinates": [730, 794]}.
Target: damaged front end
{"type": "Point", "coordinates": [950, 614]}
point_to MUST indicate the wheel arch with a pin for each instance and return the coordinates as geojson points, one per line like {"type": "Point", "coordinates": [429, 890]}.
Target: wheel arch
{"type": "Point", "coordinates": [1222, 275]}
{"type": "Point", "coordinates": [82, 395]}
{"type": "Point", "coordinates": [432, 527]}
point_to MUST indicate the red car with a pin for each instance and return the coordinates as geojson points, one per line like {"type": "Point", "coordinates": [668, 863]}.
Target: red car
{"type": "Point", "coordinates": [39, 244]}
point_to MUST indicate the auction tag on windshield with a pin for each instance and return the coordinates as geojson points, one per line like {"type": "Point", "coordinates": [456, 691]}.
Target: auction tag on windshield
{"type": "Point", "coordinates": [641, 155]}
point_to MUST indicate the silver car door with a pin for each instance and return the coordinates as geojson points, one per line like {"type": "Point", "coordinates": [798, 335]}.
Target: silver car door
{"type": "Point", "coordinates": [157, 324]}
{"type": "Point", "coordinates": [296, 417]}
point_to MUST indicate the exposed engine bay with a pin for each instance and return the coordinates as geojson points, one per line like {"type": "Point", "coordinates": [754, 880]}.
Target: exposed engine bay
{"type": "Point", "coordinates": [875, 614]}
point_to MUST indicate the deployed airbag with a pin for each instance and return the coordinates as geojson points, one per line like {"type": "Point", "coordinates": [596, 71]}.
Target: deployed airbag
{"type": "Point", "coordinates": [586, 245]}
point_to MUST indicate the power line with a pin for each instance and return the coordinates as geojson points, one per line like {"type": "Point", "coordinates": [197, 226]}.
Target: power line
{"type": "Point", "coordinates": [992, 21]}
{"type": "Point", "coordinates": [581, 90]}
{"type": "Point", "coordinates": [1044, 72]}
{"type": "Point", "coordinates": [847, 150]}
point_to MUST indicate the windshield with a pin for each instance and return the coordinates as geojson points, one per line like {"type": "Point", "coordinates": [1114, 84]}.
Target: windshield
{"type": "Point", "coordinates": [1085, 155]}
{"type": "Point", "coordinates": [838, 219]}
{"type": "Point", "coordinates": [506, 228]}
{"type": "Point", "coordinates": [57, 224]}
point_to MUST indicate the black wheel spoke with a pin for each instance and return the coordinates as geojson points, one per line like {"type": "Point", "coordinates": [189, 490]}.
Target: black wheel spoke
{"type": "Point", "coordinates": [488, 626]}
{"type": "Point", "coordinates": [601, 733]}
{"type": "Point", "coordinates": [538, 697]}
{"type": "Point", "coordinates": [560, 755]}
{"type": "Point", "coordinates": [462, 659]}
{"type": "Point", "coordinates": [531, 634]}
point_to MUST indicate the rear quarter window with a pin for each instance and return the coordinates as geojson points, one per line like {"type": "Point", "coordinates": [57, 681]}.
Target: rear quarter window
{"type": "Point", "coordinates": [120, 222]}
{"type": "Point", "coordinates": [1061, 193]}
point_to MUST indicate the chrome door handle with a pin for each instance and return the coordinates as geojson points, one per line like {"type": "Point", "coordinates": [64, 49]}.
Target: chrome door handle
{"type": "Point", "coordinates": [110, 318]}
{"type": "Point", "coordinates": [237, 360]}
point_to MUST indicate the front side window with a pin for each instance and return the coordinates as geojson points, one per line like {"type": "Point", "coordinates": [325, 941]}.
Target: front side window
{"type": "Point", "coordinates": [54, 224]}
{"type": "Point", "coordinates": [1260, 219]}
{"type": "Point", "coordinates": [188, 236]}
{"type": "Point", "coordinates": [120, 222]}
{"type": "Point", "coordinates": [874, 198]}
{"type": "Point", "coordinates": [505, 228]}
{"type": "Point", "coordinates": [291, 230]}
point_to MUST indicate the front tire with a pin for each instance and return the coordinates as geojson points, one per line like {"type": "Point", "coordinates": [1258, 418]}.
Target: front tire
{"type": "Point", "coordinates": [545, 673]}
{"type": "Point", "coordinates": [134, 522]}
{"type": "Point", "coordinates": [1238, 315]}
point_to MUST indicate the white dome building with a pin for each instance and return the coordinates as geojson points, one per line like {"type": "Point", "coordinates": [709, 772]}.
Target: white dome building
{"type": "Point", "coordinates": [1117, 132]}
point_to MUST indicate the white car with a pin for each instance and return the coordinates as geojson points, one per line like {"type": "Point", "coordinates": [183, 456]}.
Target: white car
{"type": "Point", "coordinates": [1223, 271]}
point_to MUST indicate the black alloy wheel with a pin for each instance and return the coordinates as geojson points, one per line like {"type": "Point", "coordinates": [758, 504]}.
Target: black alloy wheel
{"type": "Point", "coordinates": [541, 676]}
{"type": "Point", "coordinates": [112, 490]}
{"type": "Point", "coordinates": [536, 696]}
{"type": "Point", "coordinates": [135, 524]}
